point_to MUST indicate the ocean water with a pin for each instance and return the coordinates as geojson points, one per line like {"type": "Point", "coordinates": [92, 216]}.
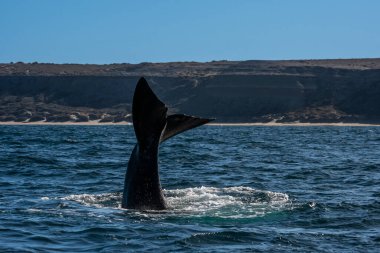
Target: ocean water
{"type": "Point", "coordinates": [230, 189]}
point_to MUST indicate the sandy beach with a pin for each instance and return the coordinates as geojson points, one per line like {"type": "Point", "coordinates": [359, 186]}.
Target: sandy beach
{"type": "Point", "coordinates": [274, 124]}
{"type": "Point", "coordinates": [293, 124]}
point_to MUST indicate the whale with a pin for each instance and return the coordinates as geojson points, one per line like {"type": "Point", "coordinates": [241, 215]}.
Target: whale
{"type": "Point", "coordinates": [152, 126]}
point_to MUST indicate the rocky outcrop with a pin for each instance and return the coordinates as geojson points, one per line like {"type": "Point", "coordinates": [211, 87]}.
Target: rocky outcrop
{"type": "Point", "coordinates": [251, 91]}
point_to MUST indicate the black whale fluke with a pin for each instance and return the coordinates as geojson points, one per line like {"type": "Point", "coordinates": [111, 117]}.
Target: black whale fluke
{"type": "Point", "coordinates": [148, 113]}
{"type": "Point", "coordinates": [152, 125]}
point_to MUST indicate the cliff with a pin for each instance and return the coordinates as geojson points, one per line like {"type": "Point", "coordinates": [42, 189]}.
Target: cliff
{"type": "Point", "coordinates": [230, 91]}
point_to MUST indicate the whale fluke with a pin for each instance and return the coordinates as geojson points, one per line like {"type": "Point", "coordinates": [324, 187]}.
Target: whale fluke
{"type": "Point", "coordinates": [178, 123]}
{"type": "Point", "coordinates": [148, 113]}
{"type": "Point", "coordinates": [142, 188]}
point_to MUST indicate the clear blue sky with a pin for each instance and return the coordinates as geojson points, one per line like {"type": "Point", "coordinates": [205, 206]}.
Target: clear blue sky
{"type": "Point", "coordinates": [108, 31]}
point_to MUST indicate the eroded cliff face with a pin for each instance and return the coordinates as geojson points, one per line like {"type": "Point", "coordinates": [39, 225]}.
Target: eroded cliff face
{"type": "Point", "coordinates": [252, 91]}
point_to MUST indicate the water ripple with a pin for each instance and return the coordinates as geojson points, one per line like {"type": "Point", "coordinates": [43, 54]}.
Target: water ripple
{"type": "Point", "coordinates": [261, 189]}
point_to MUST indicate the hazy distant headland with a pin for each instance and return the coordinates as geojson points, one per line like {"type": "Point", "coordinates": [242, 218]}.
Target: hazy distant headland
{"type": "Point", "coordinates": [315, 91]}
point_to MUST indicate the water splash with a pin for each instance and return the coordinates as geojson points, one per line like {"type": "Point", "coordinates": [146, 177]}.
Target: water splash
{"type": "Point", "coordinates": [105, 200]}
{"type": "Point", "coordinates": [229, 202]}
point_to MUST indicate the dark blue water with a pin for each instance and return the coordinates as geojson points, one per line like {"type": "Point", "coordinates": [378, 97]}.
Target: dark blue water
{"type": "Point", "coordinates": [230, 189]}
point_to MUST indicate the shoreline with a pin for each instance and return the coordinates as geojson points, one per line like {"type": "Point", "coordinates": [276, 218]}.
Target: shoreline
{"type": "Point", "coordinates": [124, 123]}
{"type": "Point", "coordinates": [305, 124]}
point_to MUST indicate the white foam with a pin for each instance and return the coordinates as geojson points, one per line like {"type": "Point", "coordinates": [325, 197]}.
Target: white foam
{"type": "Point", "coordinates": [229, 202]}
{"type": "Point", "coordinates": [96, 200]}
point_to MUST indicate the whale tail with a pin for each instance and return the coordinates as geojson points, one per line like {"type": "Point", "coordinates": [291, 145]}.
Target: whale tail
{"type": "Point", "coordinates": [150, 117]}
{"type": "Point", "coordinates": [148, 114]}
{"type": "Point", "coordinates": [178, 123]}
{"type": "Point", "coordinates": [142, 187]}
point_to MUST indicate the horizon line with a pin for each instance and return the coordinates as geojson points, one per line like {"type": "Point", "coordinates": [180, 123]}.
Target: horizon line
{"type": "Point", "coordinates": [193, 61]}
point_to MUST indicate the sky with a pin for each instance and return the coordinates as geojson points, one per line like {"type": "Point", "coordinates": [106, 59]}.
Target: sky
{"type": "Point", "coordinates": [133, 31]}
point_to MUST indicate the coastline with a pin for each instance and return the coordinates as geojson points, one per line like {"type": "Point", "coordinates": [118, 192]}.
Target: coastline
{"type": "Point", "coordinates": [124, 123]}
{"type": "Point", "coordinates": [276, 124]}
{"type": "Point", "coordinates": [65, 123]}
